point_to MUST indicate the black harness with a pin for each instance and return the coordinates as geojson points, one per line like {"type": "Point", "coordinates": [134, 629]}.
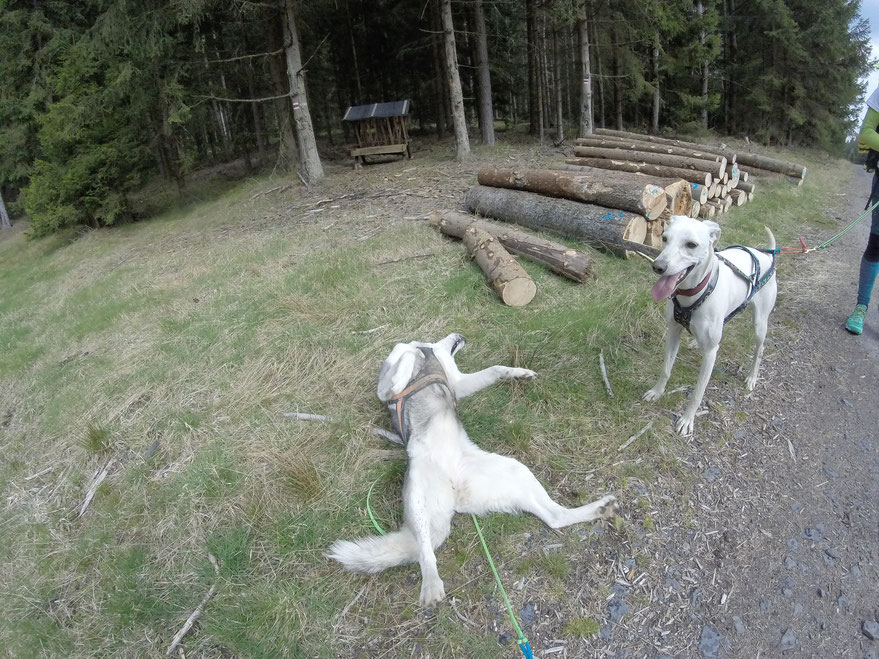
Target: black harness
{"type": "Point", "coordinates": [756, 280]}
{"type": "Point", "coordinates": [431, 373]}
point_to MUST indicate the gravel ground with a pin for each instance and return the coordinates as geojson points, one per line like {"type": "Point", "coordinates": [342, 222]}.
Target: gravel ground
{"type": "Point", "coordinates": [775, 553]}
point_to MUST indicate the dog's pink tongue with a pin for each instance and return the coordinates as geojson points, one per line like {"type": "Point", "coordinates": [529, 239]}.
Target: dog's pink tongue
{"type": "Point", "coordinates": [664, 287]}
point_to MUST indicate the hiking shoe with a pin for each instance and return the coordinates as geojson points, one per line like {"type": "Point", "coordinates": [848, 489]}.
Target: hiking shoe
{"type": "Point", "coordinates": [855, 322]}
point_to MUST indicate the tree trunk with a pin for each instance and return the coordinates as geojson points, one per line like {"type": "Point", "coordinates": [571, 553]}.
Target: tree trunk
{"type": "Point", "coordinates": [557, 81]}
{"type": "Point", "coordinates": [4, 216]}
{"type": "Point", "coordinates": [514, 286]}
{"type": "Point", "coordinates": [287, 155]}
{"type": "Point", "coordinates": [256, 115]}
{"type": "Point", "coordinates": [615, 70]}
{"type": "Point", "coordinates": [462, 141]}
{"type": "Point", "coordinates": [531, 48]}
{"type": "Point", "coordinates": [600, 71]}
{"type": "Point", "coordinates": [486, 112]}
{"type": "Point", "coordinates": [654, 124]}
{"type": "Point", "coordinates": [603, 142]}
{"type": "Point", "coordinates": [700, 9]}
{"type": "Point", "coordinates": [561, 259]}
{"type": "Point", "coordinates": [436, 48]}
{"type": "Point", "coordinates": [703, 178]}
{"type": "Point", "coordinates": [586, 122]}
{"type": "Point", "coordinates": [712, 167]}
{"type": "Point", "coordinates": [640, 197]}
{"type": "Point", "coordinates": [309, 159]}
{"type": "Point", "coordinates": [614, 230]}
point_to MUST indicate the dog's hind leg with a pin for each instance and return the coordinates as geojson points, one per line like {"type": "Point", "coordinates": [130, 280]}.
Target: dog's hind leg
{"type": "Point", "coordinates": [672, 344]}
{"type": "Point", "coordinates": [429, 509]}
{"type": "Point", "coordinates": [762, 307]}
{"type": "Point", "coordinates": [500, 484]}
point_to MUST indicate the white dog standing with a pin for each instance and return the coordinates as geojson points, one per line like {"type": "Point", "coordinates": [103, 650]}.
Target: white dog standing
{"type": "Point", "coordinates": [705, 289]}
{"type": "Point", "coordinates": [447, 473]}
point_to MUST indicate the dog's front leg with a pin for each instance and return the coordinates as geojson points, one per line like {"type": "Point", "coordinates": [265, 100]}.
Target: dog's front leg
{"type": "Point", "coordinates": [685, 423]}
{"type": "Point", "coordinates": [469, 383]}
{"type": "Point", "coordinates": [672, 344]}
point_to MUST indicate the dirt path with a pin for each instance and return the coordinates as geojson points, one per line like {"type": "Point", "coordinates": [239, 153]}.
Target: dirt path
{"type": "Point", "coordinates": [778, 552]}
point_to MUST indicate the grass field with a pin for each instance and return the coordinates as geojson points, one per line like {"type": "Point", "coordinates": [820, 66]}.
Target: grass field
{"type": "Point", "coordinates": [168, 350]}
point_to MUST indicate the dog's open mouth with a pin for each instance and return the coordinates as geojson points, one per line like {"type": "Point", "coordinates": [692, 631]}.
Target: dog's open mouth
{"type": "Point", "coordinates": [665, 287]}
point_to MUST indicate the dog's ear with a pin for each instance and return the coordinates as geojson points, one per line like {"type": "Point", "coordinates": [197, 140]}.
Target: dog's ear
{"type": "Point", "coordinates": [713, 231]}
{"type": "Point", "coordinates": [397, 370]}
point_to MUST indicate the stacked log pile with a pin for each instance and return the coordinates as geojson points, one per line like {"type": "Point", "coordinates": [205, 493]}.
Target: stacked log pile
{"type": "Point", "coordinates": [617, 193]}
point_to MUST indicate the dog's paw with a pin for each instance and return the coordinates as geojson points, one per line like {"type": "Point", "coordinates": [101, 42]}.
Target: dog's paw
{"type": "Point", "coordinates": [609, 507]}
{"type": "Point", "coordinates": [521, 374]}
{"type": "Point", "coordinates": [652, 394]}
{"type": "Point", "coordinates": [432, 592]}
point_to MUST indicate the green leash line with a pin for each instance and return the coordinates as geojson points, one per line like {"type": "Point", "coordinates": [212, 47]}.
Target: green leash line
{"type": "Point", "coordinates": [826, 243]}
{"type": "Point", "coordinates": [524, 646]}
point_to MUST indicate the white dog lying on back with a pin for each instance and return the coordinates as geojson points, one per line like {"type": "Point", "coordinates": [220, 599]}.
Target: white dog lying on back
{"type": "Point", "coordinates": [705, 289]}
{"type": "Point", "coordinates": [447, 473]}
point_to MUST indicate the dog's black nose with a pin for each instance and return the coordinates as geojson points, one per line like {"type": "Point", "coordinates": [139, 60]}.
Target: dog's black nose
{"type": "Point", "coordinates": [659, 269]}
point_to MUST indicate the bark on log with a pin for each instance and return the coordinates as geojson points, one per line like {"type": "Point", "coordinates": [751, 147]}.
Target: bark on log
{"type": "Point", "coordinates": [739, 197]}
{"type": "Point", "coordinates": [614, 230]}
{"type": "Point", "coordinates": [766, 174]}
{"type": "Point", "coordinates": [507, 277]}
{"type": "Point", "coordinates": [699, 192]}
{"type": "Point", "coordinates": [561, 259]}
{"type": "Point", "coordinates": [637, 145]}
{"type": "Point", "coordinates": [642, 197]}
{"type": "Point", "coordinates": [717, 205]}
{"type": "Point", "coordinates": [743, 158]}
{"type": "Point", "coordinates": [713, 167]}
{"type": "Point", "coordinates": [653, 139]}
{"type": "Point", "coordinates": [753, 160]}
{"type": "Point", "coordinates": [707, 212]}
{"type": "Point", "coordinates": [747, 186]}
{"type": "Point", "coordinates": [703, 178]}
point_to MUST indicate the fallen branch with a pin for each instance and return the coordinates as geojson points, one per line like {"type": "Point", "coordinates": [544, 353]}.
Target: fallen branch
{"type": "Point", "coordinates": [178, 637]}
{"type": "Point", "coordinates": [38, 474]}
{"type": "Point", "coordinates": [631, 439]}
{"type": "Point", "coordinates": [604, 374]}
{"type": "Point", "coordinates": [378, 432]}
{"type": "Point", "coordinates": [94, 486]}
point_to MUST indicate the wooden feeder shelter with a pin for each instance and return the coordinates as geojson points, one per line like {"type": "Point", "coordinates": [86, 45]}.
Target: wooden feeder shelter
{"type": "Point", "coordinates": [380, 129]}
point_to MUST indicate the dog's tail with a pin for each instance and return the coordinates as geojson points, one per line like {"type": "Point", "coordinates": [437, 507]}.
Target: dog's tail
{"type": "Point", "coordinates": [376, 553]}
{"type": "Point", "coordinates": [771, 237]}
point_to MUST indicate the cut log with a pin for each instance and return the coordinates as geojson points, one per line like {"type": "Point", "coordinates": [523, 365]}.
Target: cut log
{"type": "Point", "coordinates": [614, 230]}
{"type": "Point", "coordinates": [770, 175]}
{"type": "Point", "coordinates": [679, 197]}
{"type": "Point", "coordinates": [747, 186]}
{"type": "Point", "coordinates": [753, 160]}
{"type": "Point", "coordinates": [743, 158]}
{"type": "Point", "coordinates": [713, 167]}
{"type": "Point", "coordinates": [637, 145]}
{"type": "Point", "coordinates": [707, 211]}
{"type": "Point", "coordinates": [703, 178]}
{"type": "Point", "coordinates": [739, 197]}
{"type": "Point", "coordinates": [507, 277]}
{"type": "Point", "coordinates": [654, 232]}
{"type": "Point", "coordinates": [718, 206]}
{"type": "Point", "coordinates": [642, 197]}
{"type": "Point", "coordinates": [727, 203]}
{"type": "Point", "coordinates": [734, 175]}
{"type": "Point", "coordinates": [699, 192]}
{"type": "Point", "coordinates": [694, 209]}
{"type": "Point", "coordinates": [712, 189]}
{"type": "Point", "coordinates": [743, 176]}
{"type": "Point", "coordinates": [653, 139]}
{"type": "Point", "coordinates": [561, 259]}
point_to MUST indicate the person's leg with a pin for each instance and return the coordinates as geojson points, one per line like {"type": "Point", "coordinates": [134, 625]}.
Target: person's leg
{"type": "Point", "coordinates": [869, 271]}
